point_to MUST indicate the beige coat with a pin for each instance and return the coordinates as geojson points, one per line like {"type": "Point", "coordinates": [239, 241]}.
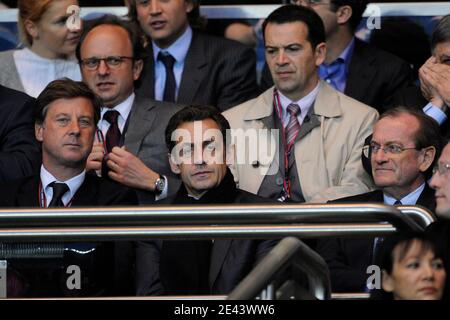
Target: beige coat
{"type": "Point", "coordinates": [328, 159]}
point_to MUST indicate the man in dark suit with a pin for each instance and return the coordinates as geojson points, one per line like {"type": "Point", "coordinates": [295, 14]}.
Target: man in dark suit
{"type": "Point", "coordinates": [440, 230]}
{"type": "Point", "coordinates": [199, 154]}
{"type": "Point", "coordinates": [66, 113]}
{"type": "Point", "coordinates": [204, 70]}
{"type": "Point", "coordinates": [131, 147]}
{"type": "Point", "coordinates": [19, 151]}
{"type": "Point", "coordinates": [359, 70]}
{"type": "Point", "coordinates": [403, 148]}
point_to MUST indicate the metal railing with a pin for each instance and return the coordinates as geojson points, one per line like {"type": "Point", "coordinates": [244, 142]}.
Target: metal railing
{"type": "Point", "coordinates": [293, 253]}
{"type": "Point", "coordinates": [206, 222]}
{"type": "Point", "coordinates": [417, 9]}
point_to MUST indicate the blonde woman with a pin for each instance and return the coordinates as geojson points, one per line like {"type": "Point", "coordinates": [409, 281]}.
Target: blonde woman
{"type": "Point", "coordinates": [49, 46]}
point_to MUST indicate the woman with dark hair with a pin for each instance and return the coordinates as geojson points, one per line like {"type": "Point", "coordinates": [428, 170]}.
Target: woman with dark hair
{"type": "Point", "coordinates": [412, 269]}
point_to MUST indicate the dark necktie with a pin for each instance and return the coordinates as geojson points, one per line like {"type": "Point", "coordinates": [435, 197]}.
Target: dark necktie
{"type": "Point", "coordinates": [113, 134]}
{"type": "Point", "coordinates": [293, 126]}
{"type": "Point", "coordinates": [170, 85]}
{"type": "Point", "coordinates": [59, 189]}
{"type": "Point", "coordinates": [379, 240]}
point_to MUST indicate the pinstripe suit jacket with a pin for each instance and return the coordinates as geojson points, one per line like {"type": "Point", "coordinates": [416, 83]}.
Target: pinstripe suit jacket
{"type": "Point", "coordinates": [217, 72]}
{"type": "Point", "coordinates": [145, 138]}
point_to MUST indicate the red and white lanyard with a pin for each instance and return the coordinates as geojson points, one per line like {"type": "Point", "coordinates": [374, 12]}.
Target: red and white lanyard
{"type": "Point", "coordinates": [287, 148]}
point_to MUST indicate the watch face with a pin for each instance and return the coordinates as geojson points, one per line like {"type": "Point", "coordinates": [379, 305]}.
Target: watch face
{"type": "Point", "coordinates": [160, 184]}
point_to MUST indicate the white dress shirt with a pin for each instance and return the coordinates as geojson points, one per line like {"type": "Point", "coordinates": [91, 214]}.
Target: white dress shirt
{"type": "Point", "coordinates": [73, 184]}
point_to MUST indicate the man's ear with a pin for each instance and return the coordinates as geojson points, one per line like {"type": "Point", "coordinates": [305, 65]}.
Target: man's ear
{"type": "Point", "coordinates": [138, 65]}
{"type": "Point", "coordinates": [426, 158]}
{"type": "Point", "coordinates": [344, 14]}
{"type": "Point", "coordinates": [173, 164]}
{"type": "Point", "coordinates": [387, 283]}
{"type": "Point", "coordinates": [320, 53]}
{"type": "Point", "coordinates": [38, 132]}
{"type": "Point", "coordinates": [189, 5]}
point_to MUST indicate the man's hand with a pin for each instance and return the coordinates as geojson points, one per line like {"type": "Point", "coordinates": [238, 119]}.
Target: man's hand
{"type": "Point", "coordinates": [129, 170]}
{"type": "Point", "coordinates": [435, 82]}
{"type": "Point", "coordinates": [94, 160]}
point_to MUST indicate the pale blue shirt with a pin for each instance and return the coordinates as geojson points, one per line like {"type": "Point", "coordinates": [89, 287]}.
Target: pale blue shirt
{"type": "Point", "coordinates": [304, 103]}
{"type": "Point", "coordinates": [434, 112]}
{"type": "Point", "coordinates": [409, 200]}
{"type": "Point", "coordinates": [73, 184]}
{"type": "Point", "coordinates": [178, 50]}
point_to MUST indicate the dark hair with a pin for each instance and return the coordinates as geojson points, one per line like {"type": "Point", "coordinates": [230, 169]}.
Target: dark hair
{"type": "Point", "coordinates": [64, 89]}
{"type": "Point", "coordinates": [293, 13]}
{"type": "Point", "coordinates": [441, 33]}
{"type": "Point", "coordinates": [358, 8]}
{"type": "Point", "coordinates": [196, 113]}
{"type": "Point", "coordinates": [428, 134]}
{"type": "Point", "coordinates": [134, 34]}
{"type": "Point", "coordinates": [196, 21]}
{"type": "Point", "coordinates": [385, 258]}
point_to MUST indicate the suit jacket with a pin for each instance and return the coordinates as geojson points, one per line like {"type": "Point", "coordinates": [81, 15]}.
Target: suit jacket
{"type": "Point", "coordinates": [328, 159]}
{"type": "Point", "coordinates": [348, 259]}
{"type": "Point", "coordinates": [145, 138]}
{"type": "Point", "coordinates": [9, 77]}
{"type": "Point", "coordinates": [230, 261]}
{"type": "Point", "coordinates": [217, 72]}
{"type": "Point", "coordinates": [20, 153]}
{"type": "Point", "coordinates": [116, 275]}
{"type": "Point", "coordinates": [375, 77]}
{"type": "Point", "coordinates": [439, 231]}
{"type": "Point", "coordinates": [95, 191]}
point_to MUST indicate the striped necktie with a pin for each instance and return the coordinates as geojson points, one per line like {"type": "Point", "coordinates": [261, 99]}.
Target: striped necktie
{"type": "Point", "coordinates": [293, 126]}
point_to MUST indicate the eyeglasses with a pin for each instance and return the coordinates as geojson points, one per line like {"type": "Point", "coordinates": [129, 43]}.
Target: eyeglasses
{"type": "Point", "coordinates": [112, 62]}
{"type": "Point", "coordinates": [442, 168]}
{"type": "Point", "coordinates": [389, 149]}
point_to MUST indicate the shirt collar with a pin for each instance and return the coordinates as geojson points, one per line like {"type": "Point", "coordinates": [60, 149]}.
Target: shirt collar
{"type": "Point", "coordinates": [178, 49]}
{"type": "Point", "coordinates": [409, 200]}
{"type": "Point", "coordinates": [123, 108]}
{"type": "Point", "coordinates": [304, 103]}
{"type": "Point", "coordinates": [73, 183]}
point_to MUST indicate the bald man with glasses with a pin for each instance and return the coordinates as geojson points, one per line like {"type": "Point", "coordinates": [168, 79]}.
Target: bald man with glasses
{"type": "Point", "coordinates": [130, 145]}
{"type": "Point", "coordinates": [402, 151]}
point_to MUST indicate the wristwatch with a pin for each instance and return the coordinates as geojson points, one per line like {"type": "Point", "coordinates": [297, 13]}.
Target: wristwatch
{"type": "Point", "coordinates": [160, 184]}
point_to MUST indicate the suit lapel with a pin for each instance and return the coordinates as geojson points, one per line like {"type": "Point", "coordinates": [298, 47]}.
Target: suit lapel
{"type": "Point", "coordinates": [218, 254]}
{"type": "Point", "coordinates": [141, 119]}
{"type": "Point", "coordinates": [28, 194]}
{"type": "Point", "coordinates": [361, 72]}
{"type": "Point", "coordinates": [87, 193]}
{"type": "Point", "coordinates": [194, 70]}
{"type": "Point", "coordinates": [147, 87]}
{"type": "Point", "coordinates": [427, 198]}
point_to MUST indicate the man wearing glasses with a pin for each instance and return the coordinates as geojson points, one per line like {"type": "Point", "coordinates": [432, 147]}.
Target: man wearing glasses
{"type": "Point", "coordinates": [440, 230]}
{"type": "Point", "coordinates": [130, 145]}
{"type": "Point", "coordinates": [352, 66]}
{"type": "Point", "coordinates": [404, 146]}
